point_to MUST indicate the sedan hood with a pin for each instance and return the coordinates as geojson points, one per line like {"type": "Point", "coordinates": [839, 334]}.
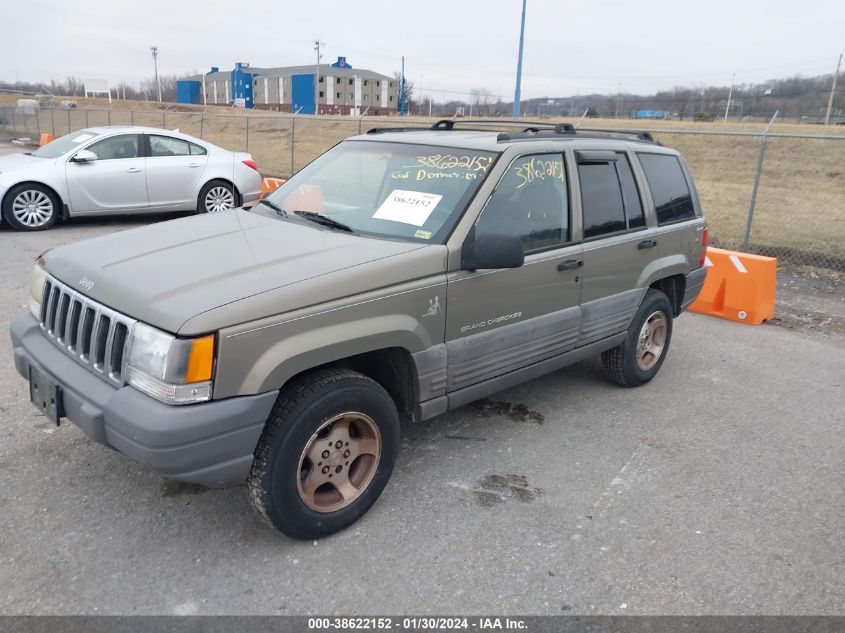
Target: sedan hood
{"type": "Point", "coordinates": [166, 273]}
{"type": "Point", "coordinates": [13, 162]}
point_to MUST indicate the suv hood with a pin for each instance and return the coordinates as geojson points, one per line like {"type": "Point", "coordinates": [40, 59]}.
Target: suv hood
{"type": "Point", "coordinates": [166, 273]}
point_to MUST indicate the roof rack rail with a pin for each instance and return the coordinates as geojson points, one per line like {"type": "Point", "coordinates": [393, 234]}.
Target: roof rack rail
{"type": "Point", "coordinates": [382, 130]}
{"type": "Point", "coordinates": [639, 134]}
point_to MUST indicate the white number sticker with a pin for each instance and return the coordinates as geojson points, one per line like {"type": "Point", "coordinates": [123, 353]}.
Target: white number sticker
{"type": "Point", "coordinates": [408, 207]}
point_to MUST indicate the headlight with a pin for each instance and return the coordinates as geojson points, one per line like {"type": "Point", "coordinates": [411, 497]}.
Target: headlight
{"type": "Point", "coordinates": [36, 288]}
{"type": "Point", "coordinates": [171, 370]}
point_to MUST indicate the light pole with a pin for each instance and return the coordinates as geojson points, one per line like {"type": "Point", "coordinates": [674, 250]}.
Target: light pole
{"type": "Point", "coordinates": [154, 50]}
{"type": "Point", "coordinates": [730, 94]}
{"type": "Point", "coordinates": [517, 95]}
{"type": "Point", "coordinates": [317, 44]}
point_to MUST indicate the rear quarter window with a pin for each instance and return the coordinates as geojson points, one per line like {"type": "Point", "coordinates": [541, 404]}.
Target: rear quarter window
{"type": "Point", "coordinates": [669, 188]}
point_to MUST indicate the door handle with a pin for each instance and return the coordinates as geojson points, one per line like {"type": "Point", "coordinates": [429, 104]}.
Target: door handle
{"type": "Point", "coordinates": [570, 264]}
{"type": "Point", "coordinates": [132, 170]}
{"type": "Point", "coordinates": [647, 244]}
{"type": "Point", "coordinates": [193, 164]}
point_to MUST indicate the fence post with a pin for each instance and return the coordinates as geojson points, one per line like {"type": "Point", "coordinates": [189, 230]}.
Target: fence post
{"type": "Point", "coordinates": [757, 173]}
{"type": "Point", "coordinates": [108, 114]}
{"type": "Point", "coordinates": [38, 124]}
{"type": "Point", "coordinates": [53, 121]}
{"type": "Point", "coordinates": [163, 119]}
{"type": "Point", "coordinates": [359, 125]}
{"type": "Point", "coordinates": [132, 117]}
{"type": "Point", "coordinates": [86, 118]}
{"type": "Point", "coordinates": [247, 133]}
{"type": "Point", "coordinates": [68, 121]}
{"type": "Point", "coordinates": [292, 140]}
{"type": "Point", "coordinates": [202, 120]}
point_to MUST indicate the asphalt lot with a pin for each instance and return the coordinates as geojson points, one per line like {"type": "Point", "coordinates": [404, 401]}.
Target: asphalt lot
{"type": "Point", "coordinates": [717, 488]}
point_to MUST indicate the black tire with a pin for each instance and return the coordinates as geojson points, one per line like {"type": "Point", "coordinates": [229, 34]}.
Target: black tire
{"type": "Point", "coordinates": [203, 203]}
{"type": "Point", "coordinates": [621, 363]}
{"type": "Point", "coordinates": [47, 203]}
{"type": "Point", "coordinates": [302, 408]}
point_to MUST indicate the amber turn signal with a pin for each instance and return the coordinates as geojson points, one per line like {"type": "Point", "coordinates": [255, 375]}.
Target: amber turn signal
{"type": "Point", "coordinates": [200, 360]}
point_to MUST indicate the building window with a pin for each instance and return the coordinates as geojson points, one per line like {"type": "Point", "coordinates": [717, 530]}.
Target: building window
{"type": "Point", "coordinates": [390, 85]}
{"type": "Point", "coordinates": [365, 97]}
{"type": "Point", "coordinates": [365, 82]}
{"type": "Point", "coordinates": [378, 84]}
{"type": "Point", "coordinates": [351, 96]}
{"type": "Point", "coordinates": [338, 95]}
{"type": "Point", "coordinates": [350, 82]}
{"type": "Point", "coordinates": [391, 97]}
{"type": "Point", "coordinates": [321, 94]}
{"type": "Point", "coordinates": [321, 78]}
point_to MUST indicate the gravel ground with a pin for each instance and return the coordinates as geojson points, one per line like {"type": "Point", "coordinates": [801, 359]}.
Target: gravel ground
{"type": "Point", "coordinates": [715, 489]}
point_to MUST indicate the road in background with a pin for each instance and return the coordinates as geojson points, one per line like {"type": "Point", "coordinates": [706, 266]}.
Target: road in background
{"type": "Point", "coordinates": [717, 488]}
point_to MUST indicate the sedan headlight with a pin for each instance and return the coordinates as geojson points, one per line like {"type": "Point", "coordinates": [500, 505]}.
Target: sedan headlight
{"type": "Point", "coordinates": [171, 370]}
{"type": "Point", "coordinates": [36, 288]}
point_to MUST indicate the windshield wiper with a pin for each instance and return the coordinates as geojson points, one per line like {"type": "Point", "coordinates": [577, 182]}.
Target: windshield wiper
{"type": "Point", "coordinates": [325, 220]}
{"type": "Point", "coordinates": [273, 206]}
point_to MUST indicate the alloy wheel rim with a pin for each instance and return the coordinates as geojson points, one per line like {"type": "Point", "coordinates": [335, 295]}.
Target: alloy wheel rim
{"type": "Point", "coordinates": [32, 208]}
{"type": "Point", "coordinates": [652, 340]}
{"type": "Point", "coordinates": [339, 462]}
{"type": "Point", "coordinates": [219, 199]}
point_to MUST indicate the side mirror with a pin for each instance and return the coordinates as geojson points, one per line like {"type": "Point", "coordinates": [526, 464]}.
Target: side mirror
{"type": "Point", "coordinates": [84, 156]}
{"type": "Point", "coordinates": [493, 250]}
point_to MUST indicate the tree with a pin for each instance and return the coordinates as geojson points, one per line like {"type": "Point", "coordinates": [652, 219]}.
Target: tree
{"type": "Point", "coordinates": [482, 101]}
{"type": "Point", "coordinates": [410, 102]}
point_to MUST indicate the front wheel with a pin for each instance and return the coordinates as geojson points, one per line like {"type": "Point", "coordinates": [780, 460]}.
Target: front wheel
{"type": "Point", "coordinates": [326, 453]}
{"type": "Point", "coordinates": [639, 357]}
{"type": "Point", "coordinates": [215, 196]}
{"type": "Point", "coordinates": [31, 207]}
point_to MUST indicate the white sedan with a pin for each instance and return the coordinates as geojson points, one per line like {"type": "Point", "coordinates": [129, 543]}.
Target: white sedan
{"type": "Point", "coordinates": [125, 169]}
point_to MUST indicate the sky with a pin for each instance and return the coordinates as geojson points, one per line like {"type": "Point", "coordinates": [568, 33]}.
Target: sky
{"type": "Point", "coordinates": [450, 47]}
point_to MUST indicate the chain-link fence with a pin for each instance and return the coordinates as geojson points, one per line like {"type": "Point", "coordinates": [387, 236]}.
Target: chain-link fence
{"type": "Point", "coordinates": [774, 194]}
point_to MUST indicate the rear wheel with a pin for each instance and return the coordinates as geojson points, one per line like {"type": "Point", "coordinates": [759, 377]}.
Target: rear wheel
{"type": "Point", "coordinates": [31, 207]}
{"type": "Point", "coordinates": [638, 359]}
{"type": "Point", "coordinates": [326, 453]}
{"type": "Point", "coordinates": [215, 196]}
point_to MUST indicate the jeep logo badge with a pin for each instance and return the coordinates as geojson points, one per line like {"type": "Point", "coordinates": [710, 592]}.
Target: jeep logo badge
{"type": "Point", "coordinates": [86, 283]}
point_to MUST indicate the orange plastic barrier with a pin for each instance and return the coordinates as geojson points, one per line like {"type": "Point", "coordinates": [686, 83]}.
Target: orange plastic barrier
{"type": "Point", "coordinates": [45, 138]}
{"type": "Point", "coordinates": [268, 185]}
{"type": "Point", "coordinates": [739, 287]}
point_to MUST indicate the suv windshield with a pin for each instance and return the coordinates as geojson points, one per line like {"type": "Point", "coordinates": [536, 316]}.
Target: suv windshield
{"type": "Point", "coordinates": [64, 144]}
{"type": "Point", "coordinates": [395, 190]}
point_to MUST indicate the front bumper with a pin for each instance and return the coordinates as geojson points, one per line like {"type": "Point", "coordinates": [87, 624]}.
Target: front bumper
{"type": "Point", "coordinates": [211, 443]}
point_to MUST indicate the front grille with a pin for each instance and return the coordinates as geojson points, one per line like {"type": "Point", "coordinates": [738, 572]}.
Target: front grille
{"type": "Point", "coordinates": [94, 335]}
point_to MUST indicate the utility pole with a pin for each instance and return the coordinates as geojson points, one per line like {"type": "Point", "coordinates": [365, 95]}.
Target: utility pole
{"type": "Point", "coordinates": [618, 98]}
{"type": "Point", "coordinates": [832, 92]}
{"type": "Point", "coordinates": [730, 94]}
{"type": "Point", "coordinates": [154, 50]}
{"type": "Point", "coordinates": [317, 44]}
{"type": "Point", "coordinates": [402, 90]}
{"type": "Point", "coordinates": [517, 95]}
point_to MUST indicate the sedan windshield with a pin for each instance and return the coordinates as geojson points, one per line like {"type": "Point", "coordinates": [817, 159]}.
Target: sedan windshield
{"type": "Point", "coordinates": [64, 144]}
{"type": "Point", "coordinates": [394, 190]}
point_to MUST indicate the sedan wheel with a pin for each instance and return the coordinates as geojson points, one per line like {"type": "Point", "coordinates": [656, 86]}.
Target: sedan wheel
{"type": "Point", "coordinates": [219, 198]}
{"type": "Point", "coordinates": [33, 208]}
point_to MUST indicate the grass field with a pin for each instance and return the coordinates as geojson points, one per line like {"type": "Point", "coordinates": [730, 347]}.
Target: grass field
{"type": "Point", "coordinates": [800, 211]}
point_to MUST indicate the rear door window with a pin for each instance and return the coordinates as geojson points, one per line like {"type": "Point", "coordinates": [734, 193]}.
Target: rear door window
{"type": "Point", "coordinates": [669, 188]}
{"type": "Point", "coordinates": [168, 146]}
{"type": "Point", "coordinates": [609, 195]}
